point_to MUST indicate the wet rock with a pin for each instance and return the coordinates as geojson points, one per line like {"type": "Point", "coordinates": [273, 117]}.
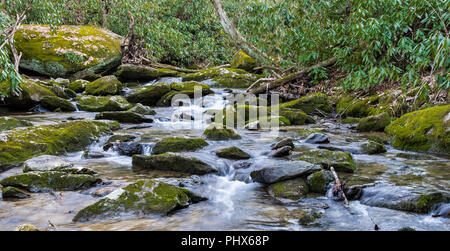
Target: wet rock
{"type": "Point", "coordinates": [341, 161]}
{"type": "Point", "coordinates": [290, 189]}
{"type": "Point", "coordinates": [243, 61]}
{"type": "Point", "coordinates": [304, 133]}
{"type": "Point", "coordinates": [374, 123]}
{"type": "Point", "coordinates": [371, 147]}
{"type": "Point", "coordinates": [123, 117]}
{"type": "Point", "coordinates": [422, 131]}
{"type": "Point", "coordinates": [232, 153]}
{"type": "Point", "coordinates": [26, 228]}
{"type": "Point", "coordinates": [318, 182]}
{"type": "Point", "coordinates": [241, 165]}
{"type": "Point", "coordinates": [142, 109]}
{"type": "Point", "coordinates": [104, 86]}
{"type": "Point", "coordinates": [8, 123]}
{"type": "Point", "coordinates": [215, 132]}
{"type": "Point", "coordinates": [283, 143]}
{"type": "Point", "coordinates": [309, 217]}
{"type": "Point", "coordinates": [317, 138]}
{"type": "Point", "coordinates": [19, 146]}
{"type": "Point", "coordinates": [129, 149]}
{"type": "Point", "coordinates": [172, 162]}
{"type": "Point", "coordinates": [14, 193]}
{"type": "Point", "coordinates": [283, 171]}
{"type": "Point", "coordinates": [102, 104]}
{"type": "Point", "coordinates": [402, 198]}
{"type": "Point", "coordinates": [316, 103]}
{"type": "Point", "coordinates": [31, 94]}
{"type": "Point", "coordinates": [406, 229]}
{"type": "Point", "coordinates": [54, 103]}
{"type": "Point", "coordinates": [178, 145]}
{"type": "Point", "coordinates": [355, 192]}
{"type": "Point", "coordinates": [59, 91]}
{"type": "Point", "coordinates": [93, 155]}
{"type": "Point", "coordinates": [281, 152]}
{"type": "Point", "coordinates": [46, 163]}
{"type": "Point", "coordinates": [149, 95]}
{"type": "Point", "coordinates": [442, 210]}
{"type": "Point", "coordinates": [141, 198]}
{"type": "Point", "coordinates": [96, 49]}
{"type": "Point", "coordinates": [118, 139]}
{"type": "Point", "coordinates": [49, 181]}
{"type": "Point", "coordinates": [129, 72]}
{"type": "Point", "coordinates": [78, 86]}
{"type": "Point", "coordinates": [70, 93]}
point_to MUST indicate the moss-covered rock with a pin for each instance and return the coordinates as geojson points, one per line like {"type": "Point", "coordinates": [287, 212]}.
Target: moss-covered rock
{"type": "Point", "coordinates": [31, 94]}
{"type": "Point", "coordinates": [374, 123]}
{"type": "Point", "coordinates": [318, 182]}
{"type": "Point", "coordinates": [243, 61]}
{"type": "Point", "coordinates": [224, 77]}
{"type": "Point", "coordinates": [178, 145]}
{"type": "Point", "coordinates": [19, 145]}
{"type": "Point", "coordinates": [14, 193]}
{"type": "Point", "coordinates": [350, 120]}
{"type": "Point", "coordinates": [142, 109]}
{"type": "Point", "coordinates": [371, 147]}
{"type": "Point", "coordinates": [49, 181]}
{"type": "Point", "coordinates": [294, 189]}
{"type": "Point", "coordinates": [149, 95]}
{"type": "Point", "coordinates": [233, 152]}
{"type": "Point", "coordinates": [123, 117]}
{"type": "Point", "coordinates": [8, 123]}
{"type": "Point", "coordinates": [190, 86]}
{"type": "Point", "coordinates": [65, 50]}
{"type": "Point", "coordinates": [267, 122]}
{"type": "Point", "coordinates": [129, 72]}
{"type": "Point", "coordinates": [102, 103]}
{"type": "Point", "coordinates": [140, 198]}
{"type": "Point", "coordinates": [104, 86]}
{"type": "Point", "coordinates": [297, 117]}
{"type": "Point", "coordinates": [305, 132]}
{"type": "Point", "coordinates": [341, 161]}
{"type": "Point", "coordinates": [172, 162]}
{"type": "Point", "coordinates": [78, 86]}
{"type": "Point", "coordinates": [316, 103]}
{"type": "Point", "coordinates": [26, 228]}
{"type": "Point", "coordinates": [424, 131]}
{"type": "Point", "coordinates": [54, 103]}
{"type": "Point", "coordinates": [350, 106]}
{"type": "Point", "coordinates": [171, 97]}
{"type": "Point", "coordinates": [218, 132]}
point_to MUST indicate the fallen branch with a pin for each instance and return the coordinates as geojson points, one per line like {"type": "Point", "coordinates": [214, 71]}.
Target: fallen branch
{"type": "Point", "coordinates": [338, 185]}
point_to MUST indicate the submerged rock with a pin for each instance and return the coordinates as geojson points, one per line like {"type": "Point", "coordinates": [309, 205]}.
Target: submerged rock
{"type": "Point", "coordinates": [14, 193]}
{"type": "Point", "coordinates": [18, 146]}
{"type": "Point", "coordinates": [215, 132]}
{"type": "Point", "coordinates": [178, 145]}
{"type": "Point", "coordinates": [130, 72]}
{"type": "Point", "coordinates": [102, 104]}
{"type": "Point", "coordinates": [233, 153]}
{"type": "Point", "coordinates": [374, 123]}
{"type": "Point", "coordinates": [8, 123]}
{"type": "Point", "coordinates": [104, 86]}
{"type": "Point", "coordinates": [172, 162]}
{"type": "Point", "coordinates": [140, 198]}
{"type": "Point", "coordinates": [317, 138]}
{"type": "Point", "coordinates": [371, 147]}
{"type": "Point", "coordinates": [290, 189]}
{"type": "Point", "coordinates": [54, 103]}
{"type": "Point", "coordinates": [123, 117]}
{"type": "Point", "coordinates": [318, 182]}
{"type": "Point", "coordinates": [423, 131]}
{"type": "Point", "coordinates": [49, 181]}
{"type": "Point", "coordinates": [284, 171]}
{"type": "Point", "coordinates": [341, 161]}
{"type": "Point", "coordinates": [65, 50]}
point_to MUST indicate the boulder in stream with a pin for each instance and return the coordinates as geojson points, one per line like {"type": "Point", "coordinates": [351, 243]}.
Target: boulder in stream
{"type": "Point", "coordinates": [293, 189]}
{"type": "Point", "coordinates": [123, 117]}
{"type": "Point", "coordinates": [297, 117]}
{"type": "Point", "coordinates": [283, 143]}
{"type": "Point", "coordinates": [233, 153]}
{"type": "Point", "coordinates": [318, 182]}
{"type": "Point", "coordinates": [149, 95]}
{"type": "Point", "coordinates": [57, 104]}
{"type": "Point", "coordinates": [141, 198]}
{"type": "Point", "coordinates": [102, 103]}
{"type": "Point", "coordinates": [317, 138]}
{"type": "Point", "coordinates": [178, 145]}
{"type": "Point", "coordinates": [217, 132]}
{"type": "Point", "coordinates": [172, 162]}
{"type": "Point", "coordinates": [374, 123]}
{"type": "Point", "coordinates": [371, 147]}
{"type": "Point", "coordinates": [104, 86]}
{"type": "Point", "coordinates": [281, 152]}
{"type": "Point", "coordinates": [341, 161]}
{"type": "Point", "coordinates": [285, 170]}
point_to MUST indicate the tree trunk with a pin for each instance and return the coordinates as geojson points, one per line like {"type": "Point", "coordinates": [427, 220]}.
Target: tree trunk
{"type": "Point", "coordinates": [237, 38]}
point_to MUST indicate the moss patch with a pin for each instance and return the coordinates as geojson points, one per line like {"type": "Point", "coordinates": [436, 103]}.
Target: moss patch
{"type": "Point", "coordinates": [178, 145]}
{"type": "Point", "coordinates": [103, 103]}
{"type": "Point", "coordinates": [8, 123]}
{"type": "Point", "coordinates": [104, 86]}
{"type": "Point", "coordinates": [234, 153]}
{"type": "Point", "coordinates": [341, 161]}
{"type": "Point", "coordinates": [290, 189]}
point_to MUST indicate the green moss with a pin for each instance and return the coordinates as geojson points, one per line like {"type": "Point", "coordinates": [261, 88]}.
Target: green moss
{"type": "Point", "coordinates": [53, 103]}
{"type": "Point", "coordinates": [149, 95]}
{"type": "Point", "coordinates": [426, 201]}
{"type": "Point", "coordinates": [224, 77]}
{"type": "Point", "coordinates": [374, 123]}
{"type": "Point", "coordinates": [129, 72]}
{"type": "Point", "coordinates": [350, 120]}
{"type": "Point", "coordinates": [103, 103]}
{"type": "Point", "coordinates": [234, 153]}
{"type": "Point", "coordinates": [48, 181]}
{"type": "Point", "coordinates": [296, 117]}
{"type": "Point", "coordinates": [19, 145]}
{"type": "Point", "coordinates": [371, 147]}
{"type": "Point", "coordinates": [377, 104]}
{"type": "Point", "coordinates": [67, 50]}
{"type": "Point", "coordinates": [341, 161]}
{"type": "Point", "coordinates": [290, 189]}
{"type": "Point", "coordinates": [142, 109]}
{"type": "Point", "coordinates": [178, 145]}
{"type": "Point", "coordinates": [142, 197]}
{"type": "Point", "coordinates": [8, 123]}
{"type": "Point", "coordinates": [32, 93]}
{"type": "Point", "coordinates": [104, 86]}
{"type": "Point", "coordinates": [13, 192]}
{"type": "Point", "coordinates": [423, 131]}
{"type": "Point", "coordinates": [319, 181]}
{"type": "Point", "coordinates": [190, 86]}
{"type": "Point", "coordinates": [316, 103]}
{"type": "Point", "coordinates": [172, 162]}
{"type": "Point", "coordinates": [78, 86]}
{"type": "Point", "coordinates": [243, 61]}
{"type": "Point", "coordinates": [217, 132]}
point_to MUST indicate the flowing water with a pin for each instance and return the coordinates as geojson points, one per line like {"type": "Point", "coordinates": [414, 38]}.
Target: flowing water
{"type": "Point", "coordinates": [234, 201]}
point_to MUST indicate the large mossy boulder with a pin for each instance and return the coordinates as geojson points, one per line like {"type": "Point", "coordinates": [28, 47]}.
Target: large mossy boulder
{"type": "Point", "coordinates": [178, 145]}
{"type": "Point", "coordinates": [349, 106]}
{"type": "Point", "coordinates": [19, 145]}
{"type": "Point", "coordinates": [49, 181]}
{"type": "Point", "coordinates": [104, 86]}
{"type": "Point", "coordinates": [218, 132]}
{"type": "Point", "coordinates": [8, 123]}
{"type": "Point", "coordinates": [318, 182]}
{"type": "Point", "coordinates": [66, 50]}
{"type": "Point", "coordinates": [341, 161]}
{"type": "Point", "coordinates": [224, 77]}
{"type": "Point", "coordinates": [297, 117]}
{"type": "Point", "coordinates": [423, 131]}
{"type": "Point", "coordinates": [243, 61]}
{"type": "Point", "coordinates": [172, 162]}
{"type": "Point", "coordinates": [374, 123]}
{"type": "Point", "coordinates": [102, 103]}
{"type": "Point", "coordinates": [31, 94]}
{"type": "Point", "coordinates": [141, 198]}
{"type": "Point", "coordinates": [294, 189]}
{"type": "Point", "coordinates": [149, 95]}
{"type": "Point", "coordinates": [124, 117]}
{"type": "Point", "coordinates": [286, 170]}
{"type": "Point", "coordinates": [233, 153]}
{"type": "Point", "coordinates": [57, 104]}
{"type": "Point", "coordinates": [316, 103]}
{"type": "Point", "coordinates": [129, 72]}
